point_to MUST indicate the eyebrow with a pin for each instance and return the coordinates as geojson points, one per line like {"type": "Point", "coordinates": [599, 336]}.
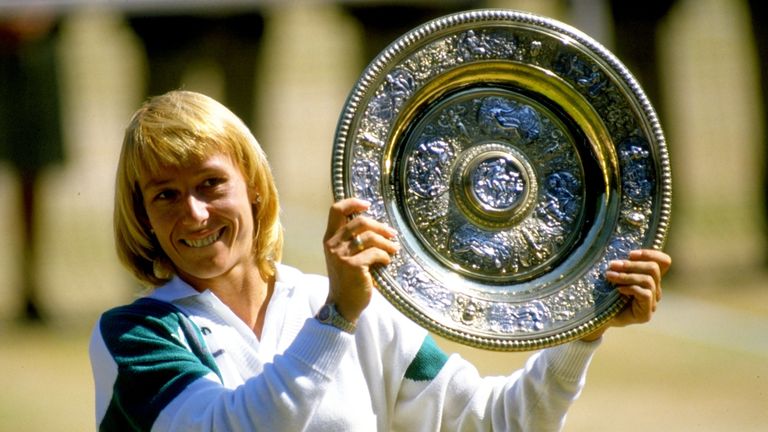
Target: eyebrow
{"type": "Point", "coordinates": [202, 172]}
{"type": "Point", "coordinates": [154, 184]}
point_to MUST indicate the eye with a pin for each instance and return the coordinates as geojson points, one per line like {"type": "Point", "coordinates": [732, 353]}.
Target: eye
{"type": "Point", "coordinates": [213, 181]}
{"type": "Point", "coordinates": [213, 184]}
{"type": "Point", "coordinates": [165, 195]}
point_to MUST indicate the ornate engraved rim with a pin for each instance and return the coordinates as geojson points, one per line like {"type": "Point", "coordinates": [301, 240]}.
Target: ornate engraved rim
{"type": "Point", "coordinates": [611, 130]}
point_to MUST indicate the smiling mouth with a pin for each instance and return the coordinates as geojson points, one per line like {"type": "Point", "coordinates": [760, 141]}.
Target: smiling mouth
{"type": "Point", "coordinates": [204, 241]}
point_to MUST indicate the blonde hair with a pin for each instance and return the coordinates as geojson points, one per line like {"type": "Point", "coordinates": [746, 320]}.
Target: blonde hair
{"type": "Point", "coordinates": [174, 129]}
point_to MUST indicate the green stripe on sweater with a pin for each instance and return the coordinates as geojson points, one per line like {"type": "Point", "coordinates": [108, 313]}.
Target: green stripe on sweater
{"type": "Point", "coordinates": [154, 364]}
{"type": "Point", "coordinates": [427, 363]}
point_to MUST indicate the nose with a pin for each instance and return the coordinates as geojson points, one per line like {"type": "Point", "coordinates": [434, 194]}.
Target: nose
{"type": "Point", "coordinates": [196, 209]}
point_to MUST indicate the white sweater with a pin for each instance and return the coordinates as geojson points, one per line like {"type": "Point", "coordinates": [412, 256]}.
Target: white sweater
{"type": "Point", "coordinates": [304, 375]}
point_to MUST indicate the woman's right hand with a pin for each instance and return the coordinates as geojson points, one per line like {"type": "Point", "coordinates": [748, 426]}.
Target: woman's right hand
{"type": "Point", "coordinates": [352, 245]}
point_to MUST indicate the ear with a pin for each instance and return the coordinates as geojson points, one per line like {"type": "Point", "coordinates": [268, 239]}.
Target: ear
{"type": "Point", "coordinates": [253, 195]}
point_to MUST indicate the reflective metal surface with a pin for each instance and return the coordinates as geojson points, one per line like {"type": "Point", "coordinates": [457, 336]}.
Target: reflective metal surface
{"type": "Point", "coordinates": [516, 157]}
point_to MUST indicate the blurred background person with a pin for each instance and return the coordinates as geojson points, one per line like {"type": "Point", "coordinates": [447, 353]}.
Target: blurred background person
{"type": "Point", "coordinates": [759, 14]}
{"type": "Point", "coordinates": [382, 22]}
{"type": "Point", "coordinates": [173, 42]}
{"type": "Point", "coordinates": [30, 129]}
{"type": "Point", "coordinates": [636, 43]}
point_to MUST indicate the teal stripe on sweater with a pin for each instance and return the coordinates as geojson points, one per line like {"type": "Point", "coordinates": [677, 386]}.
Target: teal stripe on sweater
{"type": "Point", "coordinates": [154, 366]}
{"type": "Point", "coordinates": [427, 363]}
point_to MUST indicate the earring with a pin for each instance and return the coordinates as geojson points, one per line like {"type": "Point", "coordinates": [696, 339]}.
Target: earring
{"type": "Point", "coordinates": [161, 270]}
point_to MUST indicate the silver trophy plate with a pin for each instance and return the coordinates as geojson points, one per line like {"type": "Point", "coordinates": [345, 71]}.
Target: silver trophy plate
{"type": "Point", "coordinates": [516, 157]}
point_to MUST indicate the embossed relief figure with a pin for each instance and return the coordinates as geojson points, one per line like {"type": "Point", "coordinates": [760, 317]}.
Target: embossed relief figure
{"type": "Point", "coordinates": [502, 118]}
{"type": "Point", "coordinates": [230, 338]}
{"type": "Point", "coordinates": [561, 204]}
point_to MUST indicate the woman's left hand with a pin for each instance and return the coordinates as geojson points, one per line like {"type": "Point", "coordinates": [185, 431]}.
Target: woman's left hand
{"type": "Point", "coordinates": [639, 278]}
{"type": "Point", "coordinates": [352, 246]}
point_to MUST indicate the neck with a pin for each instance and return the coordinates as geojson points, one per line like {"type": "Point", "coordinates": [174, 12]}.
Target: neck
{"type": "Point", "coordinates": [247, 294]}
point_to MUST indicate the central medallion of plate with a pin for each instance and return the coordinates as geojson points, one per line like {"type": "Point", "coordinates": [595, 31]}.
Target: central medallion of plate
{"type": "Point", "coordinates": [493, 184]}
{"type": "Point", "coordinates": [497, 182]}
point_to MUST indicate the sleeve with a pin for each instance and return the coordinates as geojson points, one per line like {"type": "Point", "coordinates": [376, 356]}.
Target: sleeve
{"type": "Point", "coordinates": [534, 398]}
{"type": "Point", "coordinates": [147, 378]}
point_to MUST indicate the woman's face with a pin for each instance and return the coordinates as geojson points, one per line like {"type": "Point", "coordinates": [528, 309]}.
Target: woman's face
{"type": "Point", "coordinates": [202, 216]}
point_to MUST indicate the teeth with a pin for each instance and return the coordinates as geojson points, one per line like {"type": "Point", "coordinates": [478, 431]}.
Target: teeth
{"type": "Point", "coordinates": [203, 242]}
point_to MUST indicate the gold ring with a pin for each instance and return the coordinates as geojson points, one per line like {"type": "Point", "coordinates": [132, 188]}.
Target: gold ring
{"type": "Point", "coordinates": [357, 242]}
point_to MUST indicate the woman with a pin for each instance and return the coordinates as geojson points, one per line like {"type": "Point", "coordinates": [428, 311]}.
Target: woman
{"type": "Point", "coordinates": [229, 339]}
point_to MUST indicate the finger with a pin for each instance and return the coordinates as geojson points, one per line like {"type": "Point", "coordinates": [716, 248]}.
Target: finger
{"type": "Point", "coordinates": [640, 262]}
{"type": "Point", "coordinates": [663, 260]}
{"type": "Point", "coordinates": [649, 268]}
{"type": "Point", "coordinates": [340, 212]}
{"type": "Point", "coordinates": [374, 239]}
{"type": "Point", "coordinates": [366, 229]}
{"type": "Point", "coordinates": [639, 280]}
{"type": "Point", "coordinates": [642, 280]}
{"type": "Point", "coordinates": [370, 257]}
{"type": "Point", "coordinates": [642, 302]}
